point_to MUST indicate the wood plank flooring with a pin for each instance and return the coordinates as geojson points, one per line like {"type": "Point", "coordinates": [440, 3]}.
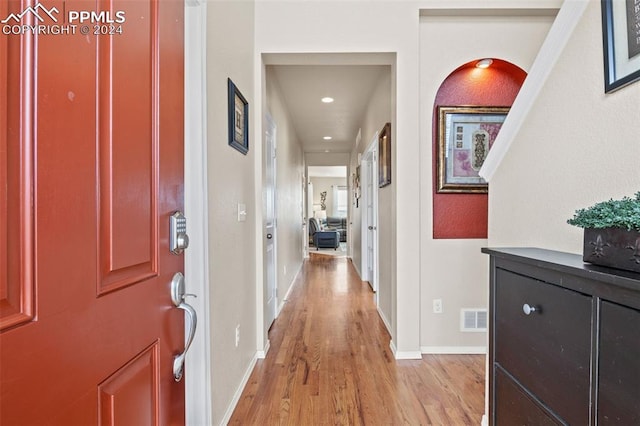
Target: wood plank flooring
{"type": "Point", "coordinates": [330, 364]}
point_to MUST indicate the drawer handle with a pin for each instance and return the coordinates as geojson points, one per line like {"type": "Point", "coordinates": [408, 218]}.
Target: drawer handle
{"type": "Point", "coordinates": [528, 309]}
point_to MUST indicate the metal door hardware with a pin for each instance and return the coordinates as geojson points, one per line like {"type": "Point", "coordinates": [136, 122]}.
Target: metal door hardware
{"type": "Point", "coordinates": [177, 297]}
{"type": "Point", "coordinates": [178, 238]}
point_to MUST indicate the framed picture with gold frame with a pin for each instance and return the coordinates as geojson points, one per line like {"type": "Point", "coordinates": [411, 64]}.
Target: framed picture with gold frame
{"type": "Point", "coordinates": [384, 156]}
{"type": "Point", "coordinates": [465, 136]}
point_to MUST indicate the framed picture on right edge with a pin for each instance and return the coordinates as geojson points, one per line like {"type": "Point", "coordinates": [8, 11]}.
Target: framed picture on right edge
{"type": "Point", "coordinates": [384, 156]}
{"type": "Point", "coordinates": [621, 42]}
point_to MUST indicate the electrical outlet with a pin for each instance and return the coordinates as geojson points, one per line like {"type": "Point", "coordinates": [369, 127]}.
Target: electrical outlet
{"type": "Point", "coordinates": [237, 335]}
{"type": "Point", "coordinates": [437, 306]}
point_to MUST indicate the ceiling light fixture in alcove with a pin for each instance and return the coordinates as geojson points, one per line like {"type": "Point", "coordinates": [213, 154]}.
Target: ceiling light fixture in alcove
{"type": "Point", "coordinates": [327, 100]}
{"type": "Point", "coordinates": [484, 63]}
{"type": "Point", "coordinates": [327, 138]}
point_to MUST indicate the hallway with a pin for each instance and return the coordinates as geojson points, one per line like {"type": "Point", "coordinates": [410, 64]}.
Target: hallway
{"type": "Point", "coordinates": [330, 363]}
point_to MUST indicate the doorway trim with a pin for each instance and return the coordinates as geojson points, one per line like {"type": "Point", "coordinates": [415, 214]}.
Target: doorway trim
{"type": "Point", "coordinates": [198, 372]}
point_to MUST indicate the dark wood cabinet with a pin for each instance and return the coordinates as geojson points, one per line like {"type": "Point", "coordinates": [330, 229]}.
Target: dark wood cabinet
{"type": "Point", "coordinates": [618, 366]}
{"type": "Point", "coordinates": [564, 340]}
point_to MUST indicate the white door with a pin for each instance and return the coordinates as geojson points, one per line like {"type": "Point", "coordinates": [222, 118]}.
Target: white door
{"type": "Point", "coordinates": [309, 210]}
{"type": "Point", "coordinates": [270, 298]}
{"type": "Point", "coordinates": [370, 219]}
{"type": "Point", "coordinates": [305, 218]}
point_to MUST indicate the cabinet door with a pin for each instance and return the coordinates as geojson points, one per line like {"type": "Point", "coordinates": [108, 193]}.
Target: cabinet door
{"type": "Point", "coordinates": [516, 407]}
{"type": "Point", "coordinates": [619, 366]}
{"type": "Point", "coordinates": [549, 350]}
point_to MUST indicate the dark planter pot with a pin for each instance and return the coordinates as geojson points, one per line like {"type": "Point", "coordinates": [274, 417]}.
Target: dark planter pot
{"type": "Point", "coordinates": [612, 247]}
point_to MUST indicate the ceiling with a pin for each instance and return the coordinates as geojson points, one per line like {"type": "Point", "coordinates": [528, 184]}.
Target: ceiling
{"type": "Point", "coordinates": [327, 171]}
{"type": "Point", "coordinates": [303, 87]}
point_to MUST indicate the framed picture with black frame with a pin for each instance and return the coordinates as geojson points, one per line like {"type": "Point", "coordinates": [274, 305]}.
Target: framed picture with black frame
{"type": "Point", "coordinates": [621, 43]}
{"type": "Point", "coordinates": [238, 119]}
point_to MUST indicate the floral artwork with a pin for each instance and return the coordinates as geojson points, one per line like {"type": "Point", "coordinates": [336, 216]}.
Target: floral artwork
{"type": "Point", "coordinates": [468, 160]}
{"type": "Point", "coordinates": [466, 135]}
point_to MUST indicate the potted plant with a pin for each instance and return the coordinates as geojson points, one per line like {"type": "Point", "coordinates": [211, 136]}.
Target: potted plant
{"type": "Point", "coordinates": [611, 233]}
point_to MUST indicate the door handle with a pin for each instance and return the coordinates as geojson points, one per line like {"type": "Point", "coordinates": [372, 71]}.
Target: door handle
{"type": "Point", "coordinates": [269, 236]}
{"type": "Point", "coordinates": [177, 297]}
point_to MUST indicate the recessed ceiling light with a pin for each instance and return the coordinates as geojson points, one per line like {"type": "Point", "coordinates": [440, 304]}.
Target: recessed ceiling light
{"type": "Point", "coordinates": [327, 138]}
{"type": "Point", "coordinates": [484, 63]}
{"type": "Point", "coordinates": [326, 150]}
{"type": "Point", "coordinates": [327, 100]}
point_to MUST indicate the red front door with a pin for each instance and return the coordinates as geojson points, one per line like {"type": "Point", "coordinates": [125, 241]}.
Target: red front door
{"type": "Point", "coordinates": [91, 154]}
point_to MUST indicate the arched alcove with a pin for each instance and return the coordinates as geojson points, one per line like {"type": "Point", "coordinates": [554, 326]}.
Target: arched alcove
{"type": "Point", "coordinates": [463, 215]}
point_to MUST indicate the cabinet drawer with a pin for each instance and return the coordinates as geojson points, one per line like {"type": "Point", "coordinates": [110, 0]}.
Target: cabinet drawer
{"type": "Point", "coordinates": [547, 351]}
{"type": "Point", "coordinates": [619, 366]}
{"type": "Point", "coordinates": [514, 407]}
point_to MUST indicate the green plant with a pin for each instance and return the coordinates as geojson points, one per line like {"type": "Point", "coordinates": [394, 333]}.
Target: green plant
{"type": "Point", "coordinates": [624, 213]}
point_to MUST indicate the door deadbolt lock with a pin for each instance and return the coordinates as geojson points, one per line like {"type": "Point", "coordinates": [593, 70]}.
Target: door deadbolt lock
{"type": "Point", "coordinates": [178, 238]}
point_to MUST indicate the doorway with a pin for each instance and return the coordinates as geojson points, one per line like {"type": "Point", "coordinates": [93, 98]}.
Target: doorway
{"type": "Point", "coordinates": [327, 209]}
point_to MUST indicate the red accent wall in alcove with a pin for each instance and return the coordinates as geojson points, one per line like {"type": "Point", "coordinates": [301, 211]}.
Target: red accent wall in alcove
{"type": "Point", "coordinates": [465, 215]}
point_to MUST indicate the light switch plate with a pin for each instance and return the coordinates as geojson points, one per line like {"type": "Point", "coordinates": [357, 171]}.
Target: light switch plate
{"type": "Point", "coordinates": [242, 212]}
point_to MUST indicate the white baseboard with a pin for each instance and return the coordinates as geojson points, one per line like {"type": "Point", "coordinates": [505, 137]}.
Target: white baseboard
{"type": "Point", "coordinates": [408, 354]}
{"type": "Point", "coordinates": [263, 353]}
{"type": "Point", "coordinates": [484, 421]}
{"type": "Point", "coordinates": [286, 296]}
{"type": "Point", "coordinates": [293, 281]}
{"type": "Point", "coordinates": [385, 321]}
{"type": "Point", "coordinates": [404, 354]}
{"type": "Point", "coordinates": [454, 350]}
{"type": "Point", "coordinates": [356, 268]}
{"type": "Point", "coordinates": [396, 353]}
{"type": "Point", "coordinates": [238, 394]}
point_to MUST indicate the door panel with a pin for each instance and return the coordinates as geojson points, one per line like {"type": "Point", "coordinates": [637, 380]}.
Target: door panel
{"type": "Point", "coordinates": [130, 395]}
{"type": "Point", "coordinates": [128, 172]}
{"type": "Point", "coordinates": [107, 174]}
{"type": "Point", "coordinates": [16, 179]}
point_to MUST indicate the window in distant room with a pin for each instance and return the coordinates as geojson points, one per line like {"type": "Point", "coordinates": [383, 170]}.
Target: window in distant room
{"type": "Point", "coordinates": [342, 198]}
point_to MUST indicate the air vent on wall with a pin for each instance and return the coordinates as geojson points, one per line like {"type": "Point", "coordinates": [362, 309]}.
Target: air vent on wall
{"type": "Point", "coordinates": [473, 320]}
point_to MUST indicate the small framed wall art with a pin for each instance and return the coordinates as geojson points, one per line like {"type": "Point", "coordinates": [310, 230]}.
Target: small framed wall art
{"type": "Point", "coordinates": [465, 135]}
{"type": "Point", "coordinates": [384, 156]}
{"type": "Point", "coordinates": [238, 119]}
{"type": "Point", "coordinates": [621, 42]}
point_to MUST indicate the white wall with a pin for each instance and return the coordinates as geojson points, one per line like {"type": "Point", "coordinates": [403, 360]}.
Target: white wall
{"type": "Point", "coordinates": [321, 184]}
{"type": "Point", "coordinates": [289, 190]}
{"type": "Point", "coordinates": [232, 257]}
{"type": "Point", "coordinates": [455, 270]}
{"type": "Point", "coordinates": [378, 113]}
{"type": "Point", "coordinates": [576, 147]}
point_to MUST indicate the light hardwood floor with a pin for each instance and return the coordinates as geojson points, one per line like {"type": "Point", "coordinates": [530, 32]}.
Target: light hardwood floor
{"type": "Point", "coordinates": [330, 364]}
